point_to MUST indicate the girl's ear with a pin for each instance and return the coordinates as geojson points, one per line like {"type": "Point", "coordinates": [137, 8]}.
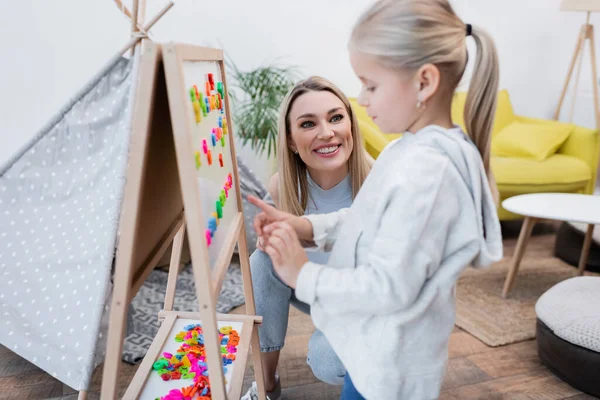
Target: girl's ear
{"type": "Point", "coordinates": [428, 80]}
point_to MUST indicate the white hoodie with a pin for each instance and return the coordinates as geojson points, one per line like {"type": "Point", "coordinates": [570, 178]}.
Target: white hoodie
{"type": "Point", "coordinates": [386, 299]}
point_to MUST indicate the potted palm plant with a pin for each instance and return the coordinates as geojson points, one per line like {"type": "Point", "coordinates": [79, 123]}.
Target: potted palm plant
{"type": "Point", "coordinates": [256, 97]}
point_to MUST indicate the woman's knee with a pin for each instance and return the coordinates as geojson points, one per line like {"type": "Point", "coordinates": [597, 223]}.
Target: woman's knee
{"type": "Point", "coordinates": [269, 291]}
{"type": "Point", "coordinates": [261, 266]}
{"type": "Point", "coordinates": [272, 301]}
{"type": "Point", "coordinates": [323, 361]}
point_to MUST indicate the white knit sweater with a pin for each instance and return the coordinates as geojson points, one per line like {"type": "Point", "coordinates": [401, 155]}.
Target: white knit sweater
{"type": "Point", "coordinates": [386, 299]}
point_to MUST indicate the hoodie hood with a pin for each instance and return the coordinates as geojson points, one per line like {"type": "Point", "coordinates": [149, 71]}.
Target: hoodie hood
{"type": "Point", "coordinates": [465, 156]}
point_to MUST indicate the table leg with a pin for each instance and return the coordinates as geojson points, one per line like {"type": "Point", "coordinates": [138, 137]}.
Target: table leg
{"type": "Point", "coordinates": [524, 235]}
{"type": "Point", "coordinates": [585, 250]}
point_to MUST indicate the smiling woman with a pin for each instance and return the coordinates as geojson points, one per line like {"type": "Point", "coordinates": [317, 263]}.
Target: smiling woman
{"type": "Point", "coordinates": [322, 165]}
{"type": "Point", "coordinates": [322, 140]}
{"type": "Point", "coordinates": [319, 140]}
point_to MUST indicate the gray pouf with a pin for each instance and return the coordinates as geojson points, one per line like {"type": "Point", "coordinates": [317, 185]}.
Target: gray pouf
{"type": "Point", "coordinates": [568, 332]}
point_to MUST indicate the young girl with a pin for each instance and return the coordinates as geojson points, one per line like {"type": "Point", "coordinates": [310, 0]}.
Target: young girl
{"type": "Point", "coordinates": [322, 165]}
{"type": "Point", "coordinates": [385, 300]}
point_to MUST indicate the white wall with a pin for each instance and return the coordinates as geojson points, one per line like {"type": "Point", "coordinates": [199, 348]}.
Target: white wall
{"type": "Point", "coordinates": [536, 42]}
{"type": "Point", "coordinates": [51, 48]}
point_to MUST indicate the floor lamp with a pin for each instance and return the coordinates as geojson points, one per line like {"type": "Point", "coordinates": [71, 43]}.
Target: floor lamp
{"type": "Point", "coordinates": [586, 34]}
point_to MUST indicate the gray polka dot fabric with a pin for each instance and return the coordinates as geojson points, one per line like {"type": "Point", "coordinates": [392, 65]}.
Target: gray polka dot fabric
{"type": "Point", "coordinates": [60, 200]}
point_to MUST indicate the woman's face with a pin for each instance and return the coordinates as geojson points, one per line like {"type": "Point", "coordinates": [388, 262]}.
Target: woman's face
{"type": "Point", "coordinates": [321, 131]}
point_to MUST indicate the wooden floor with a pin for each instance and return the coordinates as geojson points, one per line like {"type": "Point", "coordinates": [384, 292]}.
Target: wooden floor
{"type": "Point", "coordinates": [475, 371]}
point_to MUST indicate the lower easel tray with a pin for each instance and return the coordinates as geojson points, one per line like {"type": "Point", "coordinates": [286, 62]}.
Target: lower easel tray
{"type": "Point", "coordinates": [175, 366]}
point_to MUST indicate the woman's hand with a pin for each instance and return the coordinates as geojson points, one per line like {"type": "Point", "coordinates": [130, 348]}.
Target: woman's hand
{"type": "Point", "coordinates": [286, 252]}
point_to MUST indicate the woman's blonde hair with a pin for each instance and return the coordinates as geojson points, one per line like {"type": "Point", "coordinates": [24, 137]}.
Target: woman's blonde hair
{"type": "Point", "coordinates": [411, 33]}
{"type": "Point", "coordinates": [293, 182]}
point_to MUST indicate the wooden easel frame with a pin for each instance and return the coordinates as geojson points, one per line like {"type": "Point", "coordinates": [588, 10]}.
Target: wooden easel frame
{"type": "Point", "coordinates": [161, 183]}
{"type": "Point", "coordinates": [585, 34]}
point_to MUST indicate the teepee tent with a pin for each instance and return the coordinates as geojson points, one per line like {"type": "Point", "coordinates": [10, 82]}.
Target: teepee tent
{"type": "Point", "coordinates": [60, 205]}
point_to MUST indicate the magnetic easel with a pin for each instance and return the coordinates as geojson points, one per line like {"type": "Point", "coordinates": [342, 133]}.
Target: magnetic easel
{"type": "Point", "coordinates": [162, 186]}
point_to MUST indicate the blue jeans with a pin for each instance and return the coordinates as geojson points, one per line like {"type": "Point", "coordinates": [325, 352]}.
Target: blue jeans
{"type": "Point", "coordinates": [273, 298]}
{"type": "Point", "coordinates": [349, 392]}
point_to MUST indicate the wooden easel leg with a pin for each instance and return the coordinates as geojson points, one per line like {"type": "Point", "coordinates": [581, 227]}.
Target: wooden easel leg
{"type": "Point", "coordinates": [578, 48]}
{"type": "Point", "coordinates": [123, 279]}
{"type": "Point", "coordinates": [257, 363]}
{"type": "Point", "coordinates": [576, 86]}
{"type": "Point", "coordinates": [251, 310]}
{"type": "Point", "coordinates": [116, 329]}
{"type": "Point", "coordinates": [174, 268]}
{"type": "Point", "coordinates": [518, 255]}
{"type": "Point", "coordinates": [594, 74]}
{"type": "Point", "coordinates": [585, 250]}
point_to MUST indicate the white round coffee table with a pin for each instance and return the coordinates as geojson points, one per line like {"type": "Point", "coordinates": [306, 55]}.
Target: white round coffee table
{"type": "Point", "coordinates": [567, 207]}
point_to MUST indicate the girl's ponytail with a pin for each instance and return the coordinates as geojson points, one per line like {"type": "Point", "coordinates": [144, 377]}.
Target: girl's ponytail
{"type": "Point", "coordinates": [480, 106]}
{"type": "Point", "coordinates": [411, 33]}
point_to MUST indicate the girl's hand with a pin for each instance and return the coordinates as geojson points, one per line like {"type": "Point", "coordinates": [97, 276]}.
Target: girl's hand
{"type": "Point", "coordinates": [259, 244]}
{"type": "Point", "coordinates": [270, 215]}
{"type": "Point", "coordinates": [286, 252]}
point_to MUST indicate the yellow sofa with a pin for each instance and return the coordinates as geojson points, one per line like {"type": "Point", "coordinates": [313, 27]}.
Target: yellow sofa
{"type": "Point", "coordinates": [572, 169]}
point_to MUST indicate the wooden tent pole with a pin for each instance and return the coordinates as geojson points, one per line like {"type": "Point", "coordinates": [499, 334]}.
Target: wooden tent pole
{"type": "Point", "coordinates": [134, 22]}
{"type": "Point", "coordinates": [134, 40]}
{"type": "Point", "coordinates": [142, 12]}
{"type": "Point", "coordinates": [123, 8]}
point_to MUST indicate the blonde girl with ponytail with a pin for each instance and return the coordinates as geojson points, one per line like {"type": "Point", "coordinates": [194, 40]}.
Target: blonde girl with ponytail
{"type": "Point", "coordinates": [385, 300]}
{"type": "Point", "coordinates": [321, 164]}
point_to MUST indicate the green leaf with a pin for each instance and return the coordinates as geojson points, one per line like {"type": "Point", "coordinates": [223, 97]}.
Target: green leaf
{"type": "Point", "coordinates": [256, 97]}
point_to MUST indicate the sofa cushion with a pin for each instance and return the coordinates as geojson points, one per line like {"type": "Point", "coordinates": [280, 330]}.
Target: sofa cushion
{"type": "Point", "coordinates": [533, 141]}
{"type": "Point", "coordinates": [558, 172]}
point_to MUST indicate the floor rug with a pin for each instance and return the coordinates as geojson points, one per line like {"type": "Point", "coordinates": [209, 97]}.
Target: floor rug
{"type": "Point", "coordinates": [142, 320]}
{"type": "Point", "coordinates": [482, 311]}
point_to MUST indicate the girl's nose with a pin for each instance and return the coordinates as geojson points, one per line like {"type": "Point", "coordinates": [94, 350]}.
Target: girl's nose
{"type": "Point", "coordinates": [361, 99]}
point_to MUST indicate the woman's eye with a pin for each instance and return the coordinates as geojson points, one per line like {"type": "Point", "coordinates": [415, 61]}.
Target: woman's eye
{"type": "Point", "coordinates": [307, 124]}
{"type": "Point", "coordinates": [337, 118]}
{"type": "Point", "coordinates": [370, 88]}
